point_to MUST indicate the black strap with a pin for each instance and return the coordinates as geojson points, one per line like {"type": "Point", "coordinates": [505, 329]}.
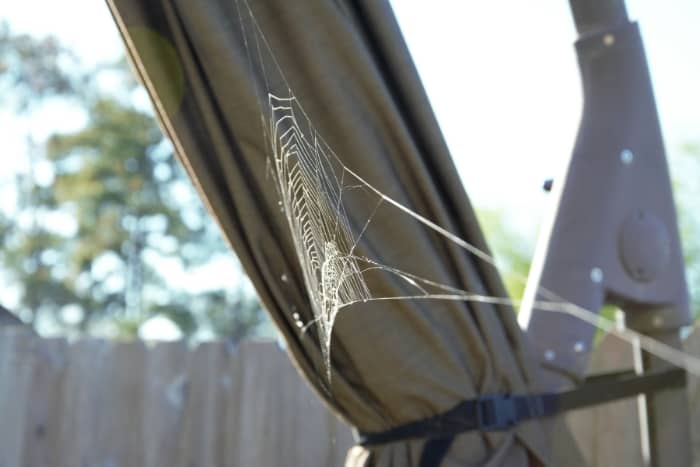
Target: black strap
{"type": "Point", "coordinates": [601, 389]}
{"type": "Point", "coordinates": [500, 412]}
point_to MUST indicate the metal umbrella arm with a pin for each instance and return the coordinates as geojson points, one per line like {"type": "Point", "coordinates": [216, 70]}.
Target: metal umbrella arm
{"type": "Point", "coordinates": [613, 238]}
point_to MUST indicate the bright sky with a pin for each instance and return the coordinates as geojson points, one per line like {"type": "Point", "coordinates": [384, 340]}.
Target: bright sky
{"type": "Point", "coordinates": [507, 92]}
{"type": "Point", "coordinates": [501, 75]}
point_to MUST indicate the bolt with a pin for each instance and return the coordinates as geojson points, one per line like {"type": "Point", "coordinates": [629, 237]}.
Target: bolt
{"type": "Point", "coordinates": [579, 347]}
{"type": "Point", "coordinates": [608, 40]}
{"type": "Point", "coordinates": [547, 185]}
{"type": "Point", "coordinates": [549, 355]}
{"type": "Point", "coordinates": [597, 275]}
{"type": "Point", "coordinates": [626, 156]}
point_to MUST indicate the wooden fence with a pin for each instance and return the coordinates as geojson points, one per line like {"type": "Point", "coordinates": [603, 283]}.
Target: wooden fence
{"type": "Point", "coordinates": [608, 435]}
{"type": "Point", "coordinates": [98, 403]}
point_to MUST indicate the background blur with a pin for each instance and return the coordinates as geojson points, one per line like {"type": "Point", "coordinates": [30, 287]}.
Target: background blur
{"type": "Point", "coordinates": [102, 233]}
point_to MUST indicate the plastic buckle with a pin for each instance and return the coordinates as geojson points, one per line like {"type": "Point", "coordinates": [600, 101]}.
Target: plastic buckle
{"type": "Point", "coordinates": [495, 412]}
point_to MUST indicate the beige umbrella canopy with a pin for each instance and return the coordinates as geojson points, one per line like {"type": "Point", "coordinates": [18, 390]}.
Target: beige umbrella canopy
{"type": "Point", "coordinates": [306, 129]}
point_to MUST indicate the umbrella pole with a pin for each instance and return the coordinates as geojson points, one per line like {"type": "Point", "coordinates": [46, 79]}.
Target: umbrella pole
{"type": "Point", "coordinates": [592, 16]}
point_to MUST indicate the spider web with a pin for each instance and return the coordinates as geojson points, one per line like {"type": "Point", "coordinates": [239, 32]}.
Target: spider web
{"type": "Point", "coordinates": [313, 186]}
{"type": "Point", "coordinates": [311, 196]}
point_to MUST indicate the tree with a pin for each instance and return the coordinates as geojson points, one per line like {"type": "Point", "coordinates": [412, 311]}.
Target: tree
{"type": "Point", "coordinates": [92, 244]}
{"type": "Point", "coordinates": [687, 194]}
{"type": "Point", "coordinates": [30, 74]}
{"type": "Point", "coordinates": [33, 69]}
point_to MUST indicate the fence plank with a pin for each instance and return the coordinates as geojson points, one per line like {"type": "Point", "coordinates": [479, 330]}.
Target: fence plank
{"type": "Point", "coordinates": [692, 346]}
{"type": "Point", "coordinates": [259, 405]}
{"type": "Point", "coordinates": [16, 363]}
{"type": "Point", "coordinates": [43, 408]}
{"type": "Point", "coordinates": [230, 421]}
{"type": "Point", "coordinates": [616, 426]}
{"type": "Point", "coordinates": [119, 432]}
{"type": "Point", "coordinates": [164, 403]}
{"type": "Point", "coordinates": [198, 442]}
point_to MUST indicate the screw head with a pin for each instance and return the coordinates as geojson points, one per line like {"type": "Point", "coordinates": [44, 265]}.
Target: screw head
{"type": "Point", "coordinates": [597, 275]}
{"type": "Point", "coordinates": [626, 156]}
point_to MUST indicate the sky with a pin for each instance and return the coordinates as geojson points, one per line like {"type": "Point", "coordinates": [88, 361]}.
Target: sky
{"type": "Point", "coordinates": [507, 93]}
{"type": "Point", "coordinates": [501, 76]}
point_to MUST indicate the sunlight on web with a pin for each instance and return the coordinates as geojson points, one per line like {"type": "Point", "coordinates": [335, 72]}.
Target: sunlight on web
{"type": "Point", "coordinates": [311, 197]}
{"type": "Point", "coordinates": [313, 186]}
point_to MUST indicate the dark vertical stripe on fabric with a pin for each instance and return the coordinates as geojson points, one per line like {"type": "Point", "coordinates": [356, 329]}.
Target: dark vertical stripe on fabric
{"type": "Point", "coordinates": [435, 451]}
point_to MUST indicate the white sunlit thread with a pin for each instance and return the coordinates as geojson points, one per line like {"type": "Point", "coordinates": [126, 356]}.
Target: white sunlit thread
{"type": "Point", "coordinates": [311, 197]}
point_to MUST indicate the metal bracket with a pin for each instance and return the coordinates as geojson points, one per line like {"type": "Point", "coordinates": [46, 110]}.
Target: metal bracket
{"type": "Point", "coordinates": [614, 236]}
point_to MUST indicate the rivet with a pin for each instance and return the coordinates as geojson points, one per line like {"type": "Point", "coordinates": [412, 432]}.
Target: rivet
{"type": "Point", "coordinates": [626, 156]}
{"type": "Point", "coordinates": [658, 321]}
{"type": "Point", "coordinates": [597, 275]}
{"type": "Point", "coordinates": [579, 347]}
{"type": "Point", "coordinates": [549, 355]}
{"type": "Point", "coordinates": [284, 278]}
{"type": "Point", "coordinates": [608, 40]}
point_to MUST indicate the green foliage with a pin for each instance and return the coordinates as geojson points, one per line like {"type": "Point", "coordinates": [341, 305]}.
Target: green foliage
{"type": "Point", "coordinates": [511, 250]}
{"type": "Point", "coordinates": [91, 247]}
{"type": "Point", "coordinates": [31, 68]}
{"type": "Point", "coordinates": [687, 195]}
